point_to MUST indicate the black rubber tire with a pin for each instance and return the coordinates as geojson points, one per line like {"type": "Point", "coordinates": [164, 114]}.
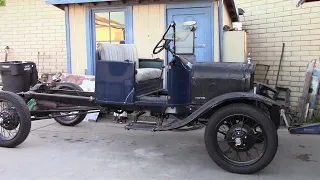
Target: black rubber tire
{"type": "Point", "coordinates": [25, 119]}
{"type": "Point", "coordinates": [261, 118]}
{"type": "Point", "coordinates": [79, 118]}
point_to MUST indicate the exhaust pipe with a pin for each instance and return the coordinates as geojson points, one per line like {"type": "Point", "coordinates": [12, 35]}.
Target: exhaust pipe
{"type": "Point", "coordinates": [50, 104]}
{"type": "Point", "coordinates": [47, 104]}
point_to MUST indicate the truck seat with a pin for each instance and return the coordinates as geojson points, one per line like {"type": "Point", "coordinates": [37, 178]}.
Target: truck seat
{"type": "Point", "coordinates": [145, 74]}
{"type": "Point", "coordinates": [127, 52]}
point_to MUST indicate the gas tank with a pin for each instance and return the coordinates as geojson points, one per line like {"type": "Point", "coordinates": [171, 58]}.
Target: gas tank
{"type": "Point", "coordinates": [179, 84]}
{"type": "Point", "coordinates": [210, 80]}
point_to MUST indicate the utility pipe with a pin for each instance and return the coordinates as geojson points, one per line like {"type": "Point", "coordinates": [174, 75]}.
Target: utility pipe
{"type": "Point", "coordinates": [220, 15]}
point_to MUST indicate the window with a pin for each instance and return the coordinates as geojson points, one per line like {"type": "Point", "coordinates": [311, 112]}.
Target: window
{"type": "Point", "coordinates": [110, 27]}
{"type": "Point", "coordinates": [2, 2]}
{"type": "Point", "coordinates": [107, 25]}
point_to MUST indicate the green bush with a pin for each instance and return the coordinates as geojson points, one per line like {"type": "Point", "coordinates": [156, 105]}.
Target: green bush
{"type": "Point", "coordinates": [315, 118]}
{"type": "Point", "coordinates": [2, 2]}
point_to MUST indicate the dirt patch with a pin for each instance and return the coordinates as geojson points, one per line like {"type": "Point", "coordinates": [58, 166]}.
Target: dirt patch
{"type": "Point", "coordinates": [305, 157]}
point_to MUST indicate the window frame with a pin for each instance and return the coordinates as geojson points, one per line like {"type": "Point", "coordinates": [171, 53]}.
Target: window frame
{"type": "Point", "coordinates": [90, 31]}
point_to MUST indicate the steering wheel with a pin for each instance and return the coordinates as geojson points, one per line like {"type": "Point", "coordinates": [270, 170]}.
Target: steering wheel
{"type": "Point", "coordinates": [162, 44]}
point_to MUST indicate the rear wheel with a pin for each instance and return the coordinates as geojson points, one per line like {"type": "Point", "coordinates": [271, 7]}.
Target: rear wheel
{"type": "Point", "coordinates": [71, 120]}
{"type": "Point", "coordinates": [15, 120]}
{"type": "Point", "coordinates": [241, 139]}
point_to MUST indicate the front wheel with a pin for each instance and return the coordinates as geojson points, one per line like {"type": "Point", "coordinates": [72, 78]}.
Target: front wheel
{"type": "Point", "coordinates": [15, 120]}
{"type": "Point", "coordinates": [241, 139]}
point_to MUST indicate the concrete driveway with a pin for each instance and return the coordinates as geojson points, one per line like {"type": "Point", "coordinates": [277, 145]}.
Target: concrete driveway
{"type": "Point", "coordinates": [106, 151]}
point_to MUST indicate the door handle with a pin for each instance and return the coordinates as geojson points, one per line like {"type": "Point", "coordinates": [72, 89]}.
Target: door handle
{"type": "Point", "coordinates": [201, 45]}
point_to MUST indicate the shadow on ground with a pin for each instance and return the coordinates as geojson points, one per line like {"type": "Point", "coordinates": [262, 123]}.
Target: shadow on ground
{"type": "Point", "coordinates": [104, 150]}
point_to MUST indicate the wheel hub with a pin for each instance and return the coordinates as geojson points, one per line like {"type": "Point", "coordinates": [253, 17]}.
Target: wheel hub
{"type": "Point", "coordinates": [8, 120]}
{"type": "Point", "coordinates": [240, 137]}
{"type": "Point", "coordinates": [238, 142]}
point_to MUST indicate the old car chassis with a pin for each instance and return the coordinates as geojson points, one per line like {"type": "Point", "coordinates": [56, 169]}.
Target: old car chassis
{"type": "Point", "coordinates": [240, 117]}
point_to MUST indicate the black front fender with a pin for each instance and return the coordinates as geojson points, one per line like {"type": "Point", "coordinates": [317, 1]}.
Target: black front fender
{"type": "Point", "coordinates": [239, 96]}
{"type": "Point", "coordinates": [234, 97]}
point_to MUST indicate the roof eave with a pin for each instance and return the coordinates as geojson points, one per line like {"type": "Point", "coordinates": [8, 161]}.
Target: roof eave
{"type": "Point", "coordinates": [301, 2]}
{"type": "Point", "coordinates": [232, 10]}
{"type": "Point", "coordinates": [60, 2]}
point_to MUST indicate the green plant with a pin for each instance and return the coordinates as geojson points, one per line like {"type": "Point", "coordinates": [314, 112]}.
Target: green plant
{"type": "Point", "coordinates": [315, 118]}
{"type": "Point", "coordinates": [2, 2]}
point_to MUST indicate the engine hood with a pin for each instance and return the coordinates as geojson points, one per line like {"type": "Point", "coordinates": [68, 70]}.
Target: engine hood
{"type": "Point", "coordinates": [213, 79]}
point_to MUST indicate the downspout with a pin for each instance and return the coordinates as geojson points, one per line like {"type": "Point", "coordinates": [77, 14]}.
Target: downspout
{"type": "Point", "coordinates": [68, 48]}
{"type": "Point", "coordinates": [220, 14]}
